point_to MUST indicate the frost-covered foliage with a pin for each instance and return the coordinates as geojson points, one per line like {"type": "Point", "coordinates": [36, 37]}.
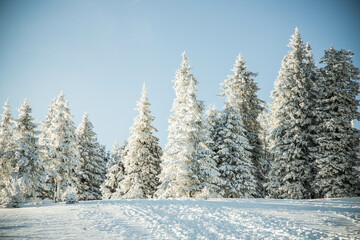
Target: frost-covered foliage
{"type": "Point", "coordinates": [6, 125]}
{"type": "Point", "coordinates": [47, 188]}
{"type": "Point", "coordinates": [264, 119]}
{"type": "Point", "coordinates": [25, 157]}
{"type": "Point", "coordinates": [338, 140]}
{"type": "Point", "coordinates": [142, 161]}
{"type": "Point", "coordinates": [93, 166]}
{"type": "Point", "coordinates": [62, 148]}
{"type": "Point", "coordinates": [206, 167]}
{"type": "Point", "coordinates": [70, 195]}
{"type": "Point", "coordinates": [241, 91]}
{"type": "Point", "coordinates": [12, 193]}
{"type": "Point", "coordinates": [115, 172]}
{"type": "Point", "coordinates": [291, 138]}
{"type": "Point", "coordinates": [233, 156]}
{"type": "Point", "coordinates": [187, 152]}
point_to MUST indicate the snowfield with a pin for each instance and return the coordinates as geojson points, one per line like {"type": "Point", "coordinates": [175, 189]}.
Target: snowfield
{"type": "Point", "coordinates": [185, 219]}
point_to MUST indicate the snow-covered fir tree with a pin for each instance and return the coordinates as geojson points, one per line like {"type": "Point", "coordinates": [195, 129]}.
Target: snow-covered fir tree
{"type": "Point", "coordinates": [183, 173]}
{"type": "Point", "coordinates": [245, 101]}
{"type": "Point", "coordinates": [142, 161]}
{"type": "Point", "coordinates": [115, 172]}
{"type": "Point", "coordinates": [233, 155]}
{"type": "Point", "coordinates": [93, 166]}
{"type": "Point", "coordinates": [264, 119]}
{"type": "Point", "coordinates": [62, 149]}
{"type": "Point", "coordinates": [25, 160]}
{"type": "Point", "coordinates": [206, 167]}
{"type": "Point", "coordinates": [47, 188]}
{"type": "Point", "coordinates": [337, 138]}
{"type": "Point", "coordinates": [291, 138]}
{"type": "Point", "coordinates": [11, 189]}
{"type": "Point", "coordinates": [6, 134]}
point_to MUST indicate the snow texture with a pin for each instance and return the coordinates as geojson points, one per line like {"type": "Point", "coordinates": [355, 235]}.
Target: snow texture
{"type": "Point", "coordinates": [185, 219]}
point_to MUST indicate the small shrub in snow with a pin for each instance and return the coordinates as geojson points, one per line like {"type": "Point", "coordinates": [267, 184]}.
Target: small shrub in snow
{"type": "Point", "coordinates": [70, 196]}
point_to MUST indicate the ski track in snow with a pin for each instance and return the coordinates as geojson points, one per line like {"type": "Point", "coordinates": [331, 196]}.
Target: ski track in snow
{"type": "Point", "coordinates": [185, 219]}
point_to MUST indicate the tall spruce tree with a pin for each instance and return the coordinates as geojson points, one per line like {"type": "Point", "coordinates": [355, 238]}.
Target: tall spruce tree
{"type": "Point", "coordinates": [142, 161]}
{"type": "Point", "coordinates": [245, 100]}
{"type": "Point", "coordinates": [183, 164]}
{"type": "Point", "coordinates": [11, 189]}
{"type": "Point", "coordinates": [337, 138]}
{"type": "Point", "coordinates": [233, 155]}
{"type": "Point", "coordinates": [199, 131]}
{"type": "Point", "coordinates": [178, 177]}
{"type": "Point", "coordinates": [62, 149]}
{"type": "Point", "coordinates": [291, 136]}
{"type": "Point", "coordinates": [47, 188]}
{"type": "Point", "coordinates": [264, 134]}
{"type": "Point", "coordinates": [25, 160]}
{"type": "Point", "coordinates": [93, 166]}
{"type": "Point", "coordinates": [6, 135]}
{"type": "Point", "coordinates": [115, 172]}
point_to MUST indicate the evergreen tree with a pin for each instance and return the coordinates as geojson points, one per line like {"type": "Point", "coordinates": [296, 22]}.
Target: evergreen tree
{"type": "Point", "coordinates": [26, 161]}
{"type": "Point", "coordinates": [11, 192]}
{"type": "Point", "coordinates": [186, 166]}
{"type": "Point", "coordinates": [142, 162]}
{"type": "Point", "coordinates": [6, 134]}
{"type": "Point", "coordinates": [178, 177]}
{"type": "Point", "coordinates": [264, 134]}
{"type": "Point", "coordinates": [291, 138]}
{"type": "Point", "coordinates": [199, 131]}
{"type": "Point", "coordinates": [63, 150]}
{"type": "Point", "coordinates": [337, 138]}
{"type": "Point", "coordinates": [115, 172]}
{"type": "Point", "coordinates": [93, 165]}
{"type": "Point", "coordinates": [245, 100]}
{"type": "Point", "coordinates": [47, 188]}
{"type": "Point", "coordinates": [233, 156]}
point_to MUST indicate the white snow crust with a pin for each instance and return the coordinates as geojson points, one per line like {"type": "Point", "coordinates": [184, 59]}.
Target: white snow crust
{"type": "Point", "coordinates": [185, 219]}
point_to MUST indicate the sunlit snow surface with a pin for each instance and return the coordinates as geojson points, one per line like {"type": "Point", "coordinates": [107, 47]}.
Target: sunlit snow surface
{"type": "Point", "coordinates": [185, 219]}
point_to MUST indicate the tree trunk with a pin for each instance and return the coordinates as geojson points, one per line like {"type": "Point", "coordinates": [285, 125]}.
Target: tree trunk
{"type": "Point", "coordinates": [58, 190]}
{"type": "Point", "coordinates": [55, 191]}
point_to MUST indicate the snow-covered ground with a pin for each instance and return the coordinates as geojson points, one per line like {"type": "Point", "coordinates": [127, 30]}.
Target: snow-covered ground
{"type": "Point", "coordinates": [185, 219]}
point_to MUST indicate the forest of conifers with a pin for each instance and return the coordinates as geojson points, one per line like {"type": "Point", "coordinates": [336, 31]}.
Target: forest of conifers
{"type": "Point", "coordinates": [303, 146]}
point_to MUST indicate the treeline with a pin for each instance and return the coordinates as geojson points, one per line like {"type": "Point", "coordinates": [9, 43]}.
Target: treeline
{"type": "Point", "coordinates": [305, 147]}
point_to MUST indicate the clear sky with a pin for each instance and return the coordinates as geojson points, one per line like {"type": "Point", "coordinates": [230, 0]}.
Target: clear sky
{"type": "Point", "coordinates": [99, 53]}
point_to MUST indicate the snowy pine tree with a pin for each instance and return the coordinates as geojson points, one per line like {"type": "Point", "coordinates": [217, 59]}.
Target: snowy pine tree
{"type": "Point", "coordinates": [115, 172]}
{"type": "Point", "coordinates": [26, 162]}
{"type": "Point", "coordinates": [142, 161]}
{"type": "Point", "coordinates": [233, 156]}
{"type": "Point", "coordinates": [291, 138]}
{"type": "Point", "coordinates": [47, 188]}
{"type": "Point", "coordinates": [62, 149]}
{"type": "Point", "coordinates": [337, 138]}
{"type": "Point", "coordinates": [199, 131]}
{"type": "Point", "coordinates": [6, 135]}
{"type": "Point", "coordinates": [245, 100]}
{"type": "Point", "coordinates": [11, 189]}
{"type": "Point", "coordinates": [186, 165]}
{"type": "Point", "coordinates": [93, 166]}
{"type": "Point", "coordinates": [264, 134]}
{"type": "Point", "coordinates": [178, 177]}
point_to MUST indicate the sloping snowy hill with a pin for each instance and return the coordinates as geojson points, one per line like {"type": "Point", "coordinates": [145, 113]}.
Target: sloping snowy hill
{"type": "Point", "coordinates": [186, 219]}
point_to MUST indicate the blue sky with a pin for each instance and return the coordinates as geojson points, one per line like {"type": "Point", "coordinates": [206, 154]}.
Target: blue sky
{"type": "Point", "coordinates": [99, 53]}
